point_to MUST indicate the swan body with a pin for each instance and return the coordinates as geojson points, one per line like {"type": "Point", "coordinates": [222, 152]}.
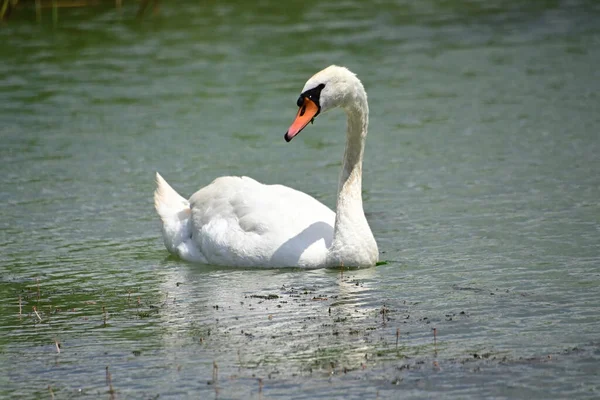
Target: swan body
{"type": "Point", "coordinates": [237, 221]}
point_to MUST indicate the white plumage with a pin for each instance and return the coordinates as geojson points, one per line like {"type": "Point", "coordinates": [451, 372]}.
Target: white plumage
{"type": "Point", "coordinates": [237, 221]}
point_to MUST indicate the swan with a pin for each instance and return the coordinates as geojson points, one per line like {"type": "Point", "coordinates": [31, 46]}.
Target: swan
{"type": "Point", "coordinates": [237, 221]}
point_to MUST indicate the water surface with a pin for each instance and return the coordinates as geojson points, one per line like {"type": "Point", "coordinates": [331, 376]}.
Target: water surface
{"type": "Point", "coordinates": [481, 185]}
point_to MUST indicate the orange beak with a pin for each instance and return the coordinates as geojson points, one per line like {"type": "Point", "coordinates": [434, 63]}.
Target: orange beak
{"type": "Point", "coordinates": [306, 113]}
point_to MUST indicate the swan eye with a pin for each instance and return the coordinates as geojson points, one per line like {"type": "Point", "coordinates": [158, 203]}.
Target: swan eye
{"type": "Point", "coordinates": [313, 94]}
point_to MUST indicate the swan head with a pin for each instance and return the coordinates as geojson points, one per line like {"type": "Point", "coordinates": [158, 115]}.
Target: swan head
{"type": "Point", "coordinates": [330, 88]}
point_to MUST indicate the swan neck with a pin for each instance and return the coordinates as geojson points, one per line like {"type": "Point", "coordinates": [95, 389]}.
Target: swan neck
{"type": "Point", "coordinates": [353, 243]}
{"type": "Point", "coordinates": [351, 174]}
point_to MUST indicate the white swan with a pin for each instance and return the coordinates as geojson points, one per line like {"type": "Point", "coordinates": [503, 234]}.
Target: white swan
{"type": "Point", "coordinates": [237, 221]}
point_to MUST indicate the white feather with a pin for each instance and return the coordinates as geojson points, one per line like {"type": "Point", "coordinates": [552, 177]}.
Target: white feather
{"type": "Point", "coordinates": [237, 221]}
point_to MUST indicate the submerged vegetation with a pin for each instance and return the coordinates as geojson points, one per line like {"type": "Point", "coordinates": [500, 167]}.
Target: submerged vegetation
{"type": "Point", "coordinates": [298, 331]}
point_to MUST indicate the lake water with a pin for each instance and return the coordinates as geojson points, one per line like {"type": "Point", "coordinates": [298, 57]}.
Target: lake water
{"type": "Point", "coordinates": [481, 185]}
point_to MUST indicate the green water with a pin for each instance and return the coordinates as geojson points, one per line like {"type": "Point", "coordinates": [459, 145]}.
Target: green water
{"type": "Point", "coordinates": [481, 185]}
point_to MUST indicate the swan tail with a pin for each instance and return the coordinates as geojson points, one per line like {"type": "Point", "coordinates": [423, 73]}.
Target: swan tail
{"type": "Point", "coordinates": [175, 214]}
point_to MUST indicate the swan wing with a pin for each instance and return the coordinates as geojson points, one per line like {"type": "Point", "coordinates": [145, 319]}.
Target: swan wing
{"type": "Point", "coordinates": [238, 221]}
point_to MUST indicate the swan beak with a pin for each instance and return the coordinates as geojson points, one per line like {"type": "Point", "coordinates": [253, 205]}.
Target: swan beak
{"type": "Point", "coordinates": [307, 112]}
